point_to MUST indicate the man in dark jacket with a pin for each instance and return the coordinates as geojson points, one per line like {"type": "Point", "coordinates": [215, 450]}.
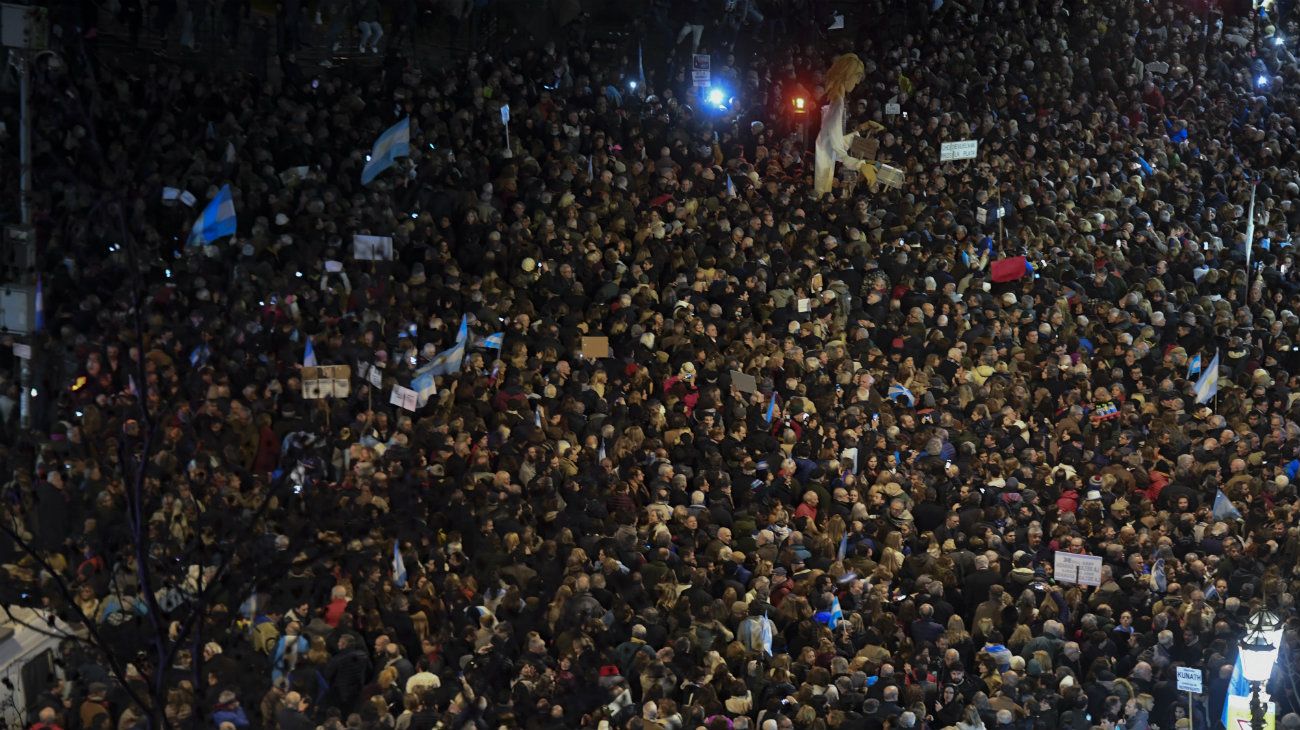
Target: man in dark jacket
{"type": "Point", "coordinates": [346, 673]}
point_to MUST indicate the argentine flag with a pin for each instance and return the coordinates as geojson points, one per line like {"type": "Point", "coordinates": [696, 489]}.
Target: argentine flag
{"type": "Point", "coordinates": [399, 566]}
{"type": "Point", "coordinates": [309, 356]}
{"type": "Point", "coordinates": [731, 188]}
{"type": "Point", "coordinates": [216, 221]}
{"type": "Point", "coordinates": [1194, 367]}
{"type": "Point", "coordinates": [1208, 384]}
{"type": "Point", "coordinates": [448, 361]}
{"type": "Point", "coordinates": [424, 388]}
{"type": "Point", "coordinates": [494, 342]}
{"type": "Point", "coordinates": [898, 393]}
{"type": "Point", "coordinates": [1224, 509]}
{"type": "Point", "coordinates": [393, 143]}
{"type": "Point", "coordinates": [1237, 685]}
{"type": "Point", "coordinates": [771, 407]}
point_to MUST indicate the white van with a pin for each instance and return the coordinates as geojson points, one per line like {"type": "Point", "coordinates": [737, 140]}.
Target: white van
{"type": "Point", "coordinates": [29, 646]}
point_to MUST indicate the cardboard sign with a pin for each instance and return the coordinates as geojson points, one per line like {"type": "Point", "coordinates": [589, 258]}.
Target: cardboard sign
{"type": "Point", "coordinates": [595, 347]}
{"type": "Point", "coordinates": [701, 69]}
{"type": "Point", "coordinates": [326, 381]}
{"type": "Point", "coordinates": [1084, 570]}
{"type": "Point", "coordinates": [372, 248]}
{"type": "Point", "coordinates": [1189, 679]}
{"type": "Point", "coordinates": [865, 148]}
{"type": "Point", "coordinates": [22, 351]}
{"type": "Point", "coordinates": [893, 110]}
{"type": "Point", "coordinates": [404, 398]}
{"type": "Point", "coordinates": [890, 177]}
{"type": "Point", "coordinates": [744, 383]}
{"type": "Point", "coordinates": [966, 149]}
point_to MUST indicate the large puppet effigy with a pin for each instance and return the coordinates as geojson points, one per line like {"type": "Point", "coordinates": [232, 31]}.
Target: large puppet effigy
{"type": "Point", "coordinates": [833, 145]}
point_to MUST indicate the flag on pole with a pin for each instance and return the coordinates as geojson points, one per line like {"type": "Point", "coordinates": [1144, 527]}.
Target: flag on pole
{"type": "Point", "coordinates": [39, 323]}
{"type": "Point", "coordinates": [393, 143]}
{"type": "Point", "coordinates": [1159, 577]}
{"type": "Point", "coordinates": [600, 450]}
{"type": "Point", "coordinates": [1208, 384]}
{"type": "Point", "coordinates": [199, 356]}
{"type": "Point", "coordinates": [731, 187]}
{"type": "Point", "coordinates": [537, 417]}
{"type": "Point", "coordinates": [844, 547]}
{"type": "Point", "coordinates": [640, 68]}
{"type": "Point", "coordinates": [1224, 509]}
{"type": "Point", "coordinates": [837, 613]}
{"type": "Point", "coordinates": [1237, 685]}
{"type": "Point", "coordinates": [771, 407]}
{"type": "Point", "coordinates": [591, 169]}
{"type": "Point", "coordinates": [1194, 366]}
{"type": "Point", "coordinates": [130, 387]}
{"type": "Point", "coordinates": [494, 342]}
{"type": "Point", "coordinates": [216, 221]}
{"type": "Point", "coordinates": [309, 357]}
{"type": "Point", "coordinates": [399, 566]}
{"type": "Point", "coordinates": [448, 361]}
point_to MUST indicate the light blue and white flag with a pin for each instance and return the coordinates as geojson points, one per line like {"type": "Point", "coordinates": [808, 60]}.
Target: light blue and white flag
{"type": "Point", "coordinates": [1237, 685]}
{"type": "Point", "coordinates": [309, 356]}
{"type": "Point", "coordinates": [1224, 509]}
{"type": "Point", "coordinates": [1194, 367]}
{"type": "Point", "coordinates": [898, 393]}
{"type": "Point", "coordinates": [216, 221]}
{"type": "Point", "coordinates": [448, 361]}
{"type": "Point", "coordinates": [494, 342]}
{"type": "Point", "coordinates": [1208, 384]}
{"type": "Point", "coordinates": [771, 407]}
{"type": "Point", "coordinates": [399, 566]}
{"type": "Point", "coordinates": [393, 143]}
{"type": "Point", "coordinates": [424, 387]}
{"type": "Point", "coordinates": [731, 188]}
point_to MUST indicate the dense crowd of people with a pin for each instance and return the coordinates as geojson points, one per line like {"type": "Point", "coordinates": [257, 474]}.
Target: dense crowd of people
{"type": "Point", "coordinates": [819, 480]}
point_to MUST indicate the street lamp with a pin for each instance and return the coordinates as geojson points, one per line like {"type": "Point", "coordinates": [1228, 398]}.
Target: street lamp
{"type": "Point", "coordinates": [1258, 655]}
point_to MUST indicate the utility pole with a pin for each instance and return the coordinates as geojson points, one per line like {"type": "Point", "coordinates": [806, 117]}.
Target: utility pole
{"type": "Point", "coordinates": [24, 33]}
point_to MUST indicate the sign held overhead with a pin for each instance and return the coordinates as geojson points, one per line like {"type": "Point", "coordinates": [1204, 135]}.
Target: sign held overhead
{"type": "Point", "coordinates": [966, 149]}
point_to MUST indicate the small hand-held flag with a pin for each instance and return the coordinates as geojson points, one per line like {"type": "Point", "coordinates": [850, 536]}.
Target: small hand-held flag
{"type": "Point", "coordinates": [393, 143]}
{"type": "Point", "coordinates": [1208, 384]}
{"type": "Point", "coordinates": [216, 221]}
{"type": "Point", "coordinates": [1194, 367]}
{"type": "Point", "coordinates": [731, 188]}
{"type": "Point", "coordinates": [771, 407]}
{"type": "Point", "coordinates": [495, 341]}
{"type": "Point", "coordinates": [309, 356]}
{"type": "Point", "coordinates": [1237, 685]}
{"type": "Point", "coordinates": [1224, 509]}
{"type": "Point", "coordinates": [399, 566]}
{"type": "Point", "coordinates": [897, 392]}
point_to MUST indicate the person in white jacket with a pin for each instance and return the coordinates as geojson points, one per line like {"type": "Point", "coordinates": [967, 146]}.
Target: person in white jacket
{"type": "Point", "coordinates": [832, 144]}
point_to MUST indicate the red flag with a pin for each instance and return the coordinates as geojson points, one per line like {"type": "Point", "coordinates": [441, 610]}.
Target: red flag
{"type": "Point", "coordinates": [1007, 269]}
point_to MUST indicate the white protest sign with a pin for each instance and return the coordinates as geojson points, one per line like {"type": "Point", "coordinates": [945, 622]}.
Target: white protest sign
{"type": "Point", "coordinates": [1084, 570]}
{"type": "Point", "coordinates": [701, 69]}
{"type": "Point", "coordinates": [188, 198]}
{"type": "Point", "coordinates": [372, 248]}
{"type": "Point", "coordinates": [375, 377]}
{"type": "Point", "coordinates": [23, 352]}
{"type": "Point", "coordinates": [966, 149]}
{"type": "Point", "coordinates": [1158, 67]}
{"type": "Point", "coordinates": [1189, 679]}
{"type": "Point", "coordinates": [405, 398]}
{"type": "Point", "coordinates": [893, 109]}
{"type": "Point", "coordinates": [171, 195]}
